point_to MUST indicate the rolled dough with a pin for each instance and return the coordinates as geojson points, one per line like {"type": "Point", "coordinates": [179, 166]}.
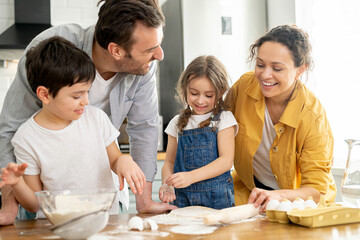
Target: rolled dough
{"type": "Point", "coordinates": [194, 211]}
{"type": "Point", "coordinates": [212, 216]}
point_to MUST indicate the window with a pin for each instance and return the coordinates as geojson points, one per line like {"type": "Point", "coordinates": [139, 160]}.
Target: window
{"type": "Point", "coordinates": [333, 28]}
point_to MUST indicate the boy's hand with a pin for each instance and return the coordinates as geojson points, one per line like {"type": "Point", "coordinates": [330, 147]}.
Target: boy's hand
{"type": "Point", "coordinates": [167, 193]}
{"type": "Point", "coordinates": [180, 180]}
{"type": "Point", "coordinates": [12, 173]}
{"type": "Point", "coordinates": [129, 170]}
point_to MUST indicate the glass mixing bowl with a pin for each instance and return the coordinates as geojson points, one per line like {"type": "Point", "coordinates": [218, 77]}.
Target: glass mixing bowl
{"type": "Point", "coordinates": [60, 206]}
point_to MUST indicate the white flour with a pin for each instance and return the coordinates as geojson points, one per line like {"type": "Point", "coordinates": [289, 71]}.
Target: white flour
{"type": "Point", "coordinates": [185, 225]}
{"type": "Point", "coordinates": [170, 219]}
{"type": "Point", "coordinates": [122, 232]}
{"type": "Point", "coordinates": [69, 207]}
{"type": "Point", "coordinates": [195, 229]}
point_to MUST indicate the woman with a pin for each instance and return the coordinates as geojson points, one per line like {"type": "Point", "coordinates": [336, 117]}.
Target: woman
{"type": "Point", "coordinates": [284, 148]}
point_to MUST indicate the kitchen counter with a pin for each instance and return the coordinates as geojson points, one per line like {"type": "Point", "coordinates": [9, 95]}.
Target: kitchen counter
{"type": "Point", "coordinates": [259, 228]}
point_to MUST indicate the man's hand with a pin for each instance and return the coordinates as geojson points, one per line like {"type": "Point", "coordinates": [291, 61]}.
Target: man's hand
{"type": "Point", "coordinates": [9, 208]}
{"type": "Point", "coordinates": [144, 203]}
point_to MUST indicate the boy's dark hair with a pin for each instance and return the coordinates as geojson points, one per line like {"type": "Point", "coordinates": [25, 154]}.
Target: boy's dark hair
{"type": "Point", "coordinates": [56, 63]}
{"type": "Point", "coordinates": [117, 20]}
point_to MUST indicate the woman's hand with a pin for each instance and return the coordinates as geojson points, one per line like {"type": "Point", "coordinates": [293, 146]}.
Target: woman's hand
{"type": "Point", "coordinates": [12, 173]}
{"type": "Point", "coordinates": [180, 180]}
{"type": "Point", "coordinates": [167, 193]}
{"type": "Point", "coordinates": [261, 197]}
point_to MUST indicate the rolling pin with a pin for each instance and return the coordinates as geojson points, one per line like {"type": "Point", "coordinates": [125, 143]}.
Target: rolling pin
{"type": "Point", "coordinates": [231, 214]}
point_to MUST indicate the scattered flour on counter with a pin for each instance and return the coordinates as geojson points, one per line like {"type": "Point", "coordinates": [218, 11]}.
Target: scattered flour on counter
{"type": "Point", "coordinates": [98, 237]}
{"type": "Point", "coordinates": [249, 219]}
{"type": "Point", "coordinates": [170, 219]}
{"type": "Point", "coordinates": [51, 237]}
{"type": "Point", "coordinates": [184, 224]}
{"type": "Point", "coordinates": [122, 232]}
{"type": "Point", "coordinates": [196, 229]}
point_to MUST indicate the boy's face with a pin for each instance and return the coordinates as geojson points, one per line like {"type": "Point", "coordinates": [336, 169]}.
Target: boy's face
{"type": "Point", "coordinates": [69, 103]}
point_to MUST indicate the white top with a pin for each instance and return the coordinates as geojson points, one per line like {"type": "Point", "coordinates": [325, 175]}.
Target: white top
{"type": "Point", "coordinates": [261, 161]}
{"type": "Point", "coordinates": [100, 91]}
{"type": "Point", "coordinates": [99, 96]}
{"type": "Point", "coordinates": [73, 157]}
{"type": "Point", "coordinates": [227, 120]}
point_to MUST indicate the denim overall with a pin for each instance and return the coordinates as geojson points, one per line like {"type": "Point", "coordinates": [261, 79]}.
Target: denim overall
{"type": "Point", "coordinates": [196, 148]}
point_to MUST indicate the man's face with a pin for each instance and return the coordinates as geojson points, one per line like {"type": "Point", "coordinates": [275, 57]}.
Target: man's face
{"type": "Point", "coordinates": [145, 50]}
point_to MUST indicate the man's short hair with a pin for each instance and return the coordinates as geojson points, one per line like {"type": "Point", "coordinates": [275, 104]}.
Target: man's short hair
{"type": "Point", "coordinates": [56, 63]}
{"type": "Point", "coordinates": [117, 20]}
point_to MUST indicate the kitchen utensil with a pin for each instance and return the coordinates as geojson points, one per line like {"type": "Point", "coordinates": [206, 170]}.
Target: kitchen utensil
{"type": "Point", "coordinates": [350, 185]}
{"type": "Point", "coordinates": [82, 227]}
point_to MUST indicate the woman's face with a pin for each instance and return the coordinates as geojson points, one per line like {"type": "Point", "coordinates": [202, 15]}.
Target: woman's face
{"type": "Point", "coordinates": [275, 71]}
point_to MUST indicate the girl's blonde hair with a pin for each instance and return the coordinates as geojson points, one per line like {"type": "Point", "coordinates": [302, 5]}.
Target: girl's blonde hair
{"type": "Point", "coordinates": [204, 66]}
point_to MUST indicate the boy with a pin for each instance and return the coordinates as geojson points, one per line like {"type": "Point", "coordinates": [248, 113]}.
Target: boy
{"type": "Point", "coordinates": [66, 144]}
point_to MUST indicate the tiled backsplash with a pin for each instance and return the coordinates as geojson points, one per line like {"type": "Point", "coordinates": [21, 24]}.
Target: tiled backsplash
{"type": "Point", "coordinates": [82, 12]}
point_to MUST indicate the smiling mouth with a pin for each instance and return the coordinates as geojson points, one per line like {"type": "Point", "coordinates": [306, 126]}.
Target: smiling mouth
{"type": "Point", "coordinates": [149, 62]}
{"type": "Point", "coordinates": [80, 111]}
{"type": "Point", "coordinates": [269, 84]}
{"type": "Point", "coordinates": [200, 107]}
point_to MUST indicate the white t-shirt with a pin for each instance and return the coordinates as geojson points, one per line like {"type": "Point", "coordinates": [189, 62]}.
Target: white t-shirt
{"type": "Point", "coordinates": [100, 91]}
{"type": "Point", "coordinates": [99, 96]}
{"type": "Point", "coordinates": [261, 161]}
{"type": "Point", "coordinates": [73, 157]}
{"type": "Point", "coordinates": [227, 120]}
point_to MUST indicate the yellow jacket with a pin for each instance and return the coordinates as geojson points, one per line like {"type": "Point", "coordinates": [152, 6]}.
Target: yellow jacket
{"type": "Point", "coordinates": [302, 152]}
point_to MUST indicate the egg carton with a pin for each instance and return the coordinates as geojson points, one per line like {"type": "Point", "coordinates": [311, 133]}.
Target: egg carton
{"type": "Point", "coordinates": [283, 216]}
{"type": "Point", "coordinates": [327, 216]}
{"type": "Point", "coordinates": [323, 215]}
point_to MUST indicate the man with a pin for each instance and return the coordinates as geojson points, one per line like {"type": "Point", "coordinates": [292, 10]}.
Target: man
{"type": "Point", "coordinates": [123, 46]}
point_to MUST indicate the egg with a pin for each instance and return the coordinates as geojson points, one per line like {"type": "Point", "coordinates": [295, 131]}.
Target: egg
{"type": "Point", "coordinates": [309, 203]}
{"type": "Point", "coordinates": [136, 223]}
{"type": "Point", "coordinates": [150, 224]}
{"type": "Point", "coordinates": [272, 204]}
{"type": "Point", "coordinates": [285, 205]}
{"type": "Point", "coordinates": [298, 203]}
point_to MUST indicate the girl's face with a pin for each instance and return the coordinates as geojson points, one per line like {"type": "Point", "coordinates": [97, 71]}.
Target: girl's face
{"type": "Point", "coordinates": [201, 95]}
{"type": "Point", "coordinates": [275, 71]}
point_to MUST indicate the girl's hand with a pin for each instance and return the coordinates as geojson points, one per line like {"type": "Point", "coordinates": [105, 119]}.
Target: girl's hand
{"type": "Point", "coordinates": [167, 193]}
{"type": "Point", "coordinates": [12, 173]}
{"type": "Point", "coordinates": [180, 180]}
{"type": "Point", "coordinates": [261, 197]}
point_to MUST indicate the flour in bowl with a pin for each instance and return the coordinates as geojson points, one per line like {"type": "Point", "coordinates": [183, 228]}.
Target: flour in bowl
{"type": "Point", "coordinates": [68, 207]}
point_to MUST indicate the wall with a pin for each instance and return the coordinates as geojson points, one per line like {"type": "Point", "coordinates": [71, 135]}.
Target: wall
{"type": "Point", "coordinates": [280, 12]}
{"type": "Point", "coordinates": [82, 12]}
{"type": "Point", "coordinates": [248, 19]}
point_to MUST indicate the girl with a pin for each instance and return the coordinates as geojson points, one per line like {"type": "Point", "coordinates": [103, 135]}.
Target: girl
{"type": "Point", "coordinates": [200, 148]}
